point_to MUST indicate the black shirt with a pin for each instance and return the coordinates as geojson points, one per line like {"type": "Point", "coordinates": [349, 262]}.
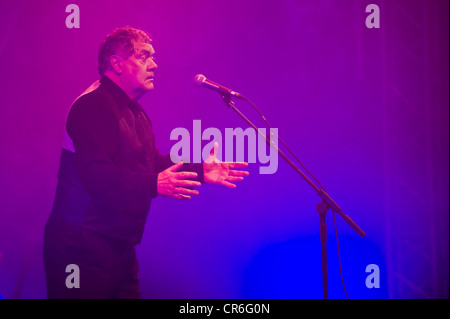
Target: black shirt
{"type": "Point", "coordinates": [107, 181]}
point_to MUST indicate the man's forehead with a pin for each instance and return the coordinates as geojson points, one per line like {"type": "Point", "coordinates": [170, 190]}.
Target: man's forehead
{"type": "Point", "coordinates": [142, 46]}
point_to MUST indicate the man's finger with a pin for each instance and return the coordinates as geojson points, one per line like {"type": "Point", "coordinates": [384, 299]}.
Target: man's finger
{"type": "Point", "coordinates": [187, 183]}
{"type": "Point", "coordinates": [184, 175]}
{"type": "Point", "coordinates": [175, 167]}
{"type": "Point", "coordinates": [228, 184]}
{"type": "Point", "coordinates": [181, 196]}
{"type": "Point", "coordinates": [234, 178]}
{"type": "Point", "coordinates": [237, 164]}
{"type": "Point", "coordinates": [238, 173]}
{"type": "Point", "coordinates": [185, 191]}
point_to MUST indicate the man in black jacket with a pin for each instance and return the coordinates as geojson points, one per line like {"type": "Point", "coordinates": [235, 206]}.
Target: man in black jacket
{"type": "Point", "coordinates": [109, 172]}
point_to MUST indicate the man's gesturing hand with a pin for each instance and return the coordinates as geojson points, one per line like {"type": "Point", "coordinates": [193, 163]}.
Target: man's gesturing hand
{"type": "Point", "coordinates": [172, 184]}
{"type": "Point", "coordinates": [217, 172]}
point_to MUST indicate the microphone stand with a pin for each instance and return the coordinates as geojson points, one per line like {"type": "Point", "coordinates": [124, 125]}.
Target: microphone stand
{"type": "Point", "coordinates": [322, 207]}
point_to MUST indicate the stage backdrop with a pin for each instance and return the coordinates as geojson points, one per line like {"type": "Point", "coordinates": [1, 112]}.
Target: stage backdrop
{"type": "Point", "coordinates": [358, 92]}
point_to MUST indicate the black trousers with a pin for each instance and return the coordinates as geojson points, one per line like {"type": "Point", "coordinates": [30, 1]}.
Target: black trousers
{"type": "Point", "coordinates": [108, 267]}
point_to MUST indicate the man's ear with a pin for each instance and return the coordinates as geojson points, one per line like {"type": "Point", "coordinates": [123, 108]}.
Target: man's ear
{"type": "Point", "coordinates": [116, 63]}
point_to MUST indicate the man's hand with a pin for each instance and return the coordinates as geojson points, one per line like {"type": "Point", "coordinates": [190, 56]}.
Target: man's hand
{"type": "Point", "coordinates": [217, 172]}
{"type": "Point", "coordinates": [172, 184]}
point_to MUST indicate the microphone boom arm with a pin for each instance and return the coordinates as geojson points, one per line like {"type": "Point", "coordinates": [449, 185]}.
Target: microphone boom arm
{"type": "Point", "coordinates": [322, 193]}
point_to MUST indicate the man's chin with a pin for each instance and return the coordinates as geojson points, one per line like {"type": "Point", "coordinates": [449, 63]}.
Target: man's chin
{"type": "Point", "coordinates": [143, 90]}
{"type": "Point", "coordinates": [149, 86]}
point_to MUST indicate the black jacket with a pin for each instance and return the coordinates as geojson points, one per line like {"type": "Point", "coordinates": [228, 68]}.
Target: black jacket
{"type": "Point", "coordinates": [107, 180]}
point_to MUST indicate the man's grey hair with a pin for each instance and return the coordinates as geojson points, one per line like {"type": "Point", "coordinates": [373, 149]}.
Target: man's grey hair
{"type": "Point", "coordinates": [119, 42]}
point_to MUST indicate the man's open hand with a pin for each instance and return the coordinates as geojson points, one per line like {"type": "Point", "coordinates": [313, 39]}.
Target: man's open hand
{"type": "Point", "coordinates": [217, 172]}
{"type": "Point", "coordinates": [172, 184]}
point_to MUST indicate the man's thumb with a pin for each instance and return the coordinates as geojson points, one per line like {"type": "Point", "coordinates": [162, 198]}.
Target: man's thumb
{"type": "Point", "coordinates": [214, 149]}
{"type": "Point", "coordinates": [175, 167]}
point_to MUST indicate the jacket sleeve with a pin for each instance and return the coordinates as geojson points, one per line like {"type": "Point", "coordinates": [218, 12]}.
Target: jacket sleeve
{"type": "Point", "coordinates": [94, 130]}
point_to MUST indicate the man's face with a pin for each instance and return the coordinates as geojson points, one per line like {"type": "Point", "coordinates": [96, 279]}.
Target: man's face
{"type": "Point", "coordinates": [138, 70]}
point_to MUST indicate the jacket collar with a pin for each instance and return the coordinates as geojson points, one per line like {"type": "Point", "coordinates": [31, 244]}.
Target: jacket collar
{"type": "Point", "coordinates": [116, 91]}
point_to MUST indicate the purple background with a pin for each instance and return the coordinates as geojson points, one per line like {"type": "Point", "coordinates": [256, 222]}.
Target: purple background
{"type": "Point", "coordinates": [366, 110]}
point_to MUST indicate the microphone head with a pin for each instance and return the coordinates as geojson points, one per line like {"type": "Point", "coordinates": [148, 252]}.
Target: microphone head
{"type": "Point", "coordinates": [199, 79]}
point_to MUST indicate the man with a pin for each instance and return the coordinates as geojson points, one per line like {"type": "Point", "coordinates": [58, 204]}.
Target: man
{"type": "Point", "coordinates": [110, 170]}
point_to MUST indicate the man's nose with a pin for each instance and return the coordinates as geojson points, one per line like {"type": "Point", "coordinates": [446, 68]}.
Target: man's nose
{"type": "Point", "coordinates": [152, 65]}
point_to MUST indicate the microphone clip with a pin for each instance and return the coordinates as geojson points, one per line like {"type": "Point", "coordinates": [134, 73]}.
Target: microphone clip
{"type": "Point", "coordinates": [227, 100]}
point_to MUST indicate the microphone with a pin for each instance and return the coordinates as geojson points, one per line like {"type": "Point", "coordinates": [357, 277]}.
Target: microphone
{"type": "Point", "coordinates": [201, 80]}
